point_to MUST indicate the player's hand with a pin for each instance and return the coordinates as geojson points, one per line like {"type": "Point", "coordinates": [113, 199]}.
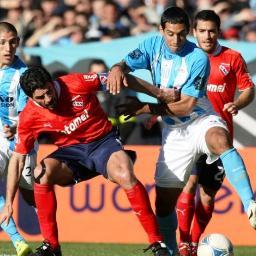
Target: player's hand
{"type": "Point", "coordinates": [131, 107]}
{"type": "Point", "coordinates": [116, 79]}
{"type": "Point", "coordinates": [231, 107]}
{"type": "Point", "coordinates": [168, 95]}
{"type": "Point", "coordinates": [9, 131]}
{"type": "Point", "coordinates": [6, 214]}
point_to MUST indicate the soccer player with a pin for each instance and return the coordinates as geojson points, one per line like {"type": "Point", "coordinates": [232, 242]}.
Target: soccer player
{"type": "Point", "coordinates": [191, 127]}
{"type": "Point", "coordinates": [12, 101]}
{"type": "Point", "coordinates": [228, 72]}
{"type": "Point", "coordinates": [68, 110]}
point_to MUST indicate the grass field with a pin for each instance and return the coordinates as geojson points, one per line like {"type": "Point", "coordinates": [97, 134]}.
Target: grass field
{"type": "Point", "coordinates": [80, 249]}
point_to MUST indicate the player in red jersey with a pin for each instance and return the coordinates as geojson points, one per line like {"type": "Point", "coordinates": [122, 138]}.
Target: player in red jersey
{"type": "Point", "coordinates": [68, 110]}
{"type": "Point", "coordinates": [228, 73]}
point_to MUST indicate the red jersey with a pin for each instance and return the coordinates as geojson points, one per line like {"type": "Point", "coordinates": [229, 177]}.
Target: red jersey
{"type": "Point", "coordinates": [77, 118]}
{"type": "Point", "coordinates": [228, 72]}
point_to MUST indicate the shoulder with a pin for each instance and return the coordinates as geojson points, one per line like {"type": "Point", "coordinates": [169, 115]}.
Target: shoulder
{"type": "Point", "coordinates": [27, 115]}
{"type": "Point", "coordinates": [194, 53]}
{"type": "Point", "coordinates": [231, 54]}
{"type": "Point", "coordinates": [154, 41]}
{"type": "Point", "coordinates": [19, 64]}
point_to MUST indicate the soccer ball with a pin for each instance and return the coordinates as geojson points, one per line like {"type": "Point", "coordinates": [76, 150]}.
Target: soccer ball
{"type": "Point", "coordinates": [215, 245]}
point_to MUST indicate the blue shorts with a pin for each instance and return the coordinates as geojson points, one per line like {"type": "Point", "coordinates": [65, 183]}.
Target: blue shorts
{"type": "Point", "coordinates": [89, 160]}
{"type": "Point", "coordinates": [210, 175]}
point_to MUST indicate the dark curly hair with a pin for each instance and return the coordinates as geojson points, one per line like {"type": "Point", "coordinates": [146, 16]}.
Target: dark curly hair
{"type": "Point", "coordinates": [35, 77]}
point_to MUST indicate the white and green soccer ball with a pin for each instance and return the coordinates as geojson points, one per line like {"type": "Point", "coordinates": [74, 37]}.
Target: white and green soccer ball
{"type": "Point", "coordinates": [215, 245]}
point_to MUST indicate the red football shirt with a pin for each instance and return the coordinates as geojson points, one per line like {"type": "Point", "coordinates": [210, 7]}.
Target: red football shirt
{"type": "Point", "coordinates": [228, 72]}
{"type": "Point", "coordinates": [78, 117]}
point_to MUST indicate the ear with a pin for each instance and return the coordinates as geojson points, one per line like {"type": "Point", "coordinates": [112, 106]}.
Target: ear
{"type": "Point", "coordinates": [18, 41]}
{"type": "Point", "coordinates": [194, 32]}
{"type": "Point", "coordinates": [161, 30]}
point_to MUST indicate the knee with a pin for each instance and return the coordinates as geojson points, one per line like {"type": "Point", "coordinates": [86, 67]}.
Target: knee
{"type": "Point", "coordinates": [123, 176]}
{"type": "Point", "coordinates": [207, 199]}
{"type": "Point", "coordinates": [218, 140]}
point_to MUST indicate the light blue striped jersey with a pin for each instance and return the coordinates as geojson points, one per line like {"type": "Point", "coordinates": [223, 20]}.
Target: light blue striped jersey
{"type": "Point", "coordinates": [12, 97]}
{"type": "Point", "coordinates": [186, 70]}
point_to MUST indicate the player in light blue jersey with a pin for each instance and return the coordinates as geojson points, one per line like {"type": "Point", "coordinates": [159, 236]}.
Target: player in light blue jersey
{"type": "Point", "coordinates": [12, 101]}
{"type": "Point", "coordinates": [191, 127]}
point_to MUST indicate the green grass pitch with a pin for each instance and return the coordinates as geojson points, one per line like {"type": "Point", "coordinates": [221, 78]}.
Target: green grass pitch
{"type": "Point", "coordinates": [82, 249]}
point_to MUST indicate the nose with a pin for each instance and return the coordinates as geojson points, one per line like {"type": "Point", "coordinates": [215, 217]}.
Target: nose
{"type": "Point", "coordinates": [7, 46]}
{"type": "Point", "coordinates": [208, 35]}
{"type": "Point", "coordinates": [176, 39]}
{"type": "Point", "coordinates": [47, 99]}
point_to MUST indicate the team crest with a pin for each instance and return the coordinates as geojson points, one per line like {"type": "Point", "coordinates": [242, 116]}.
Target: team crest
{"type": "Point", "coordinates": [77, 101]}
{"type": "Point", "coordinates": [224, 68]}
{"type": "Point", "coordinates": [135, 54]}
{"type": "Point", "coordinates": [103, 78]}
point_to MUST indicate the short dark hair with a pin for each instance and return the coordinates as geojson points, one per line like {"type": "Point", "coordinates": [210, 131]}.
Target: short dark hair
{"type": "Point", "coordinates": [175, 15]}
{"type": "Point", "coordinates": [35, 77]}
{"type": "Point", "coordinates": [207, 15]}
{"type": "Point", "coordinates": [6, 26]}
{"type": "Point", "coordinates": [98, 62]}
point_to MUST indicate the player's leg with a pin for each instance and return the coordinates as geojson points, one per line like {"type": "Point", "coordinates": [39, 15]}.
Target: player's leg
{"type": "Point", "coordinates": [108, 158]}
{"type": "Point", "coordinates": [210, 179]}
{"type": "Point", "coordinates": [27, 180]}
{"type": "Point", "coordinates": [174, 165]}
{"type": "Point", "coordinates": [49, 172]}
{"type": "Point", "coordinates": [219, 143]}
{"type": "Point", "coordinates": [185, 210]}
{"type": "Point", "coordinates": [165, 202]}
{"type": "Point", "coordinates": [18, 241]}
{"type": "Point", "coordinates": [120, 171]}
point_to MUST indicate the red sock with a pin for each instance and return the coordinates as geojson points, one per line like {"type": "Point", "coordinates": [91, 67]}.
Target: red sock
{"type": "Point", "coordinates": [140, 204]}
{"type": "Point", "coordinates": [185, 212]}
{"type": "Point", "coordinates": [203, 215]}
{"type": "Point", "coordinates": [46, 210]}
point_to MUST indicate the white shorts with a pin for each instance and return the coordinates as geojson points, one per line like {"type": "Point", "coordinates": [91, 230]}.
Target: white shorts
{"type": "Point", "coordinates": [27, 178]}
{"type": "Point", "coordinates": [181, 148]}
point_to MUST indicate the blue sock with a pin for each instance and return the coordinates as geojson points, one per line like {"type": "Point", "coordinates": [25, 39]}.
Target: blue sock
{"type": "Point", "coordinates": [10, 229]}
{"type": "Point", "coordinates": [237, 175]}
{"type": "Point", "coordinates": [168, 226]}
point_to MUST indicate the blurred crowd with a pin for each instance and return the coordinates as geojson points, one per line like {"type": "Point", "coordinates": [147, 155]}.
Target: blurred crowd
{"type": "Point", "coordinates": [66, 22]}
{"type": "Point", "coordinates": [63, 22]}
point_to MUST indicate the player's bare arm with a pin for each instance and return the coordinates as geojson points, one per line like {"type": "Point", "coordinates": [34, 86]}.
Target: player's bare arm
{"type": "Point", "coordinates": [165, 95]}
{"type": "Point", "coordinates": [15, 168]}
{"type": "Point", "coordinates": [244, 99]}
{"type": "Point", "coordinates": [117, 78]}
{"type": "Point", "coordinates": [134, 107]}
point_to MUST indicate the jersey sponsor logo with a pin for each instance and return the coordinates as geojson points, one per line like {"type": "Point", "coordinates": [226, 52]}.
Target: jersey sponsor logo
{"type": "Point", "coordinates": [216, 87]}
{"type": "Point", "coordinates": [224, 68]}
{"type": "Point", "coordinates": [77, 101]}
{"type": "Point", "coordinates": [6, 102]}
{"type": "Point", "coordinates": [75, 123]}
{"type": "Point", "coordinates": [135, 54]}
{"type": "Point", "coordinates": [90, 77]}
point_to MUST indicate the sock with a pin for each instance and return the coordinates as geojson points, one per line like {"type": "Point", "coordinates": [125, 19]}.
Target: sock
{"type": "Point", "coordinates": [168, 226]}
{"type": "Point", "coordinates": [185, 211]}
{"type": "Point", "coordinates": [237, 175]}
{"type": "Point", "coordinates": [203, 215]}
{"type": "Point", "coordinates": [139, 200]}
{"type": "Point", "coordinates": [46, 210]}
{"type": "Point", "coordinates": [10, 229]}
